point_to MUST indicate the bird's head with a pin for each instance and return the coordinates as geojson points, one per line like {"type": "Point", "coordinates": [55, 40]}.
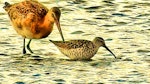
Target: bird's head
{"type": "Point", "coordinates": [99, 41]}
{"type": "Point", "coordinates": [56, 15]}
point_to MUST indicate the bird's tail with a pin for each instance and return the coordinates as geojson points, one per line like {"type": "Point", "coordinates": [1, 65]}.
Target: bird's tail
{"type": "Point", "coordinates": [7, 6]}
{"type": "Point", "coordinates": [50, 40]}
{"type": "Point", "coordinates": [56, 42]}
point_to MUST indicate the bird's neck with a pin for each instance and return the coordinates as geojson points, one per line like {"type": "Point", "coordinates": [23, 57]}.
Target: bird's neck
{"type": "Point", "coordinates": [46, 25]}
{"type": "Point", "coordinates": [97, 44]}
{"type": "Point", "coordinates": [48, 21]}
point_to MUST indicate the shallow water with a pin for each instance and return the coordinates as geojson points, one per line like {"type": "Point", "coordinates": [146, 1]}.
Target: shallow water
{"type": "Point", "coordinates": [124, 24]}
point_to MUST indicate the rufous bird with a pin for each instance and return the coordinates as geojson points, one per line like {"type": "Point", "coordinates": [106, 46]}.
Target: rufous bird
{"type": "Point", "coordinates": [33, 20]}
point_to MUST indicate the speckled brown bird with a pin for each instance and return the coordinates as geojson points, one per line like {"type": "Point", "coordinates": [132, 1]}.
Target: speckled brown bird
{"type": "Point", "coordinates": [81, 49]}
{"type": "Point", "coordinates": [33, 20]}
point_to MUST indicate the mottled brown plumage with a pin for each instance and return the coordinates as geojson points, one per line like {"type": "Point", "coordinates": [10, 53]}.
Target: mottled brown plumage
{"type": "Point", "coordinates": [33, 20]}
{"type": "Point", "coordinates": [81, 49]}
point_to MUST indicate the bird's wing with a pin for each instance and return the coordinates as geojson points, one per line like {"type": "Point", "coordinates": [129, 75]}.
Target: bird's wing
{"type": "Point", "coordinates": [22, 9]}
{"type": "Point", "coordinates": [73, 44]}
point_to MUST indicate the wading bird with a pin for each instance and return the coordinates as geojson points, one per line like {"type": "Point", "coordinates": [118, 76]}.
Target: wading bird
{"type": "Point", "coordinates": [81, 49]}
{"type": "Point", "coordinates": [33, 20]}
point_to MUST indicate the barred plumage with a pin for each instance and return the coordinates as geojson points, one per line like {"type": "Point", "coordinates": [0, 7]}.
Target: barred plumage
{"type": "Point", "coordinates": [81, 49]}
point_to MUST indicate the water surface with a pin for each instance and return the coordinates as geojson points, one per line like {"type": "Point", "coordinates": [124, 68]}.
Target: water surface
{"type": "Point", "coordinates": [124, 24]}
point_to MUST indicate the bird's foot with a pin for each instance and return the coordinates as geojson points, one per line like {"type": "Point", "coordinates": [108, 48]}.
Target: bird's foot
{"type": "Point", "coordinates": [24, 51]}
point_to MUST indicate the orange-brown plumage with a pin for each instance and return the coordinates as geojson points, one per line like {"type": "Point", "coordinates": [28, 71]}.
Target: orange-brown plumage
{"type": "Point", "coordinates": [33, 20]}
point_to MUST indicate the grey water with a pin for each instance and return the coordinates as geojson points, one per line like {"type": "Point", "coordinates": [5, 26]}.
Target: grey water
{"type": "Point", "coordinates": [124, 24]}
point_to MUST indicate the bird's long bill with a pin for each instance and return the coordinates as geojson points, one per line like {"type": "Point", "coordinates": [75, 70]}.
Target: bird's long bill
{"type": "Point", "coordinates": [109, 51]}
{"type": "Point", "coordinates": [59, 28]}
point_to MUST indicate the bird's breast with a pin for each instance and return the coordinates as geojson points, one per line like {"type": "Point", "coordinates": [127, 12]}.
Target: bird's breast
{"type": "Point", "coordinates": [79, 53]}
{"type": "Point", "coordinates": [31, 29]}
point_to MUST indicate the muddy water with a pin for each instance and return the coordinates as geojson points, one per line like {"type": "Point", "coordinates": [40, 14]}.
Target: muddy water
{"type": "Point", "coordinates": [124, 24]}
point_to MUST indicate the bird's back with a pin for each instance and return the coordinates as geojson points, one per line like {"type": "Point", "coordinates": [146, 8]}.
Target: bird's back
{"type": "Point", "coordinates": [24, 8]}
{"type": "Point", "coordinates": [73, 44]}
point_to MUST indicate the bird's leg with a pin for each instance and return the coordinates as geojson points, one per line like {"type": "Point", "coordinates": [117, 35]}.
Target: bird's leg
{"type": "Point", "coordinates": [24, 49]}
{"type": "Point", "coordinates": [28, 46]}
